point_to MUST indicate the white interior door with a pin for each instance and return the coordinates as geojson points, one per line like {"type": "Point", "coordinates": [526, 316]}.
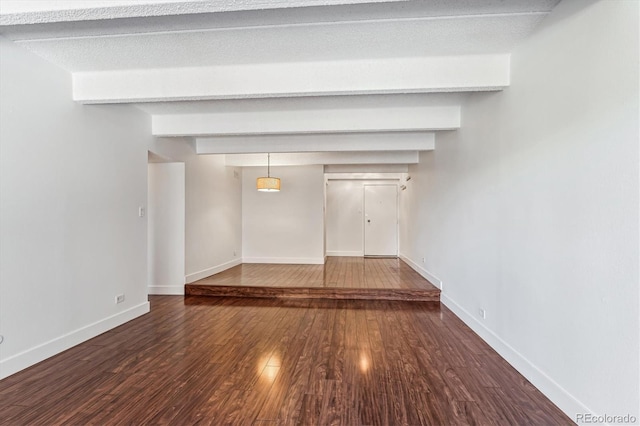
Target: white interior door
{"type": "Point", "coordinates": [380, 220]}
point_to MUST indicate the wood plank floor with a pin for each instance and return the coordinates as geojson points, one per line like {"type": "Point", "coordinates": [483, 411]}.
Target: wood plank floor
{"type": "Point", "coordinates": [236, 361]}
{"type": "Point", "coordinates": [339, 278]}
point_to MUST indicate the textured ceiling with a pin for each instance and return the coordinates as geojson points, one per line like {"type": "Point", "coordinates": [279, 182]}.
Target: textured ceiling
{"type": "Point", "coordinates": [18, 12]}
{"type": "Point", "coordinates": [294, 34]}
{"type": "Point", "coordinates": [42, 11]}
{"type": "Point", "coordinates": [114, 37]}
{"type": "Point", "coordinates": [405, 37]}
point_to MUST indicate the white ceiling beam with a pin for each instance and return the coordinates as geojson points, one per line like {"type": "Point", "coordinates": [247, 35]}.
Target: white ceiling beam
{"type": "Point", "coordinates": [347, 120]}
{"type": "Point", "coordinates": [352, 142]}
{"type": "Point", "coordinates": [349, 77]}
{"type": "Point", "coordinates": [303, 159]}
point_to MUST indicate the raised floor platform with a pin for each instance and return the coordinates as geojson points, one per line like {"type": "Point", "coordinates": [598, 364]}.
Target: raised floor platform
{"type": "Point", "coordinates": [339, 278]}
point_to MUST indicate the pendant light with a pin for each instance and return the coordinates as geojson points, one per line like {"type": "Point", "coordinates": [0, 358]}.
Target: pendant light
{"type": "Point", "coordinates": [268, 184]}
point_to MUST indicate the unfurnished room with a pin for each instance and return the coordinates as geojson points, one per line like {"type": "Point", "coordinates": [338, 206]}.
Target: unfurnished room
{"type": "Point", "coordinates": [319, 212]}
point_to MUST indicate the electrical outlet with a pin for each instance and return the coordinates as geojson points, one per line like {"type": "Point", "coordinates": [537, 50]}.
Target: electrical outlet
{"type": "Point", "coordinates": [234, 253]}
{"type": "Point", "coordinates": [424, 260]}
{"type": "Point", "coordinates": [483, 313]}
{"type": "Point", "coordinates": [141, 211]}
{"type": "Point", "coordinates": [120, 298]}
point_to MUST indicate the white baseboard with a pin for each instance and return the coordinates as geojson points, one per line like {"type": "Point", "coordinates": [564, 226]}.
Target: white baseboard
{"type": "Point", "coordinates": [166, 290]}
{"type": "Point", "coordinates": [210, 271]}
{"type": "Point", "coordinates": [425, 274]}
{"type": "Point", "coordinates": [32, 356]}
{"type": "Point", "coordinates": [285, 260]}
{"type": "Point", "coordinates": [570, 405]}
{"type": "Point", "coordinates": [357, 253]}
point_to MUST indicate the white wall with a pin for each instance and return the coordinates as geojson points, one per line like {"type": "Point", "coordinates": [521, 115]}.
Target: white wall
{"type": "Point", "coordinates": [214, 216]}
{"type": "Point", "coordinates": [530, 210]}
{"type": "Point", "coordinates": [72, 179]}
{"type": "Point", "coordinates": [213, 211]}
{"type": "Point", "coordinates": [166, 228]}
{"type": "Point", "coordinates": [285, 226]}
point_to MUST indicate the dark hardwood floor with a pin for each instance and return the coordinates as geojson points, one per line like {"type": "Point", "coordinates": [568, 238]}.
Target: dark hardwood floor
{"type": "Point", "coordinates": [233, 361]}
{"type": "Point", "coordinates": [340, 278]}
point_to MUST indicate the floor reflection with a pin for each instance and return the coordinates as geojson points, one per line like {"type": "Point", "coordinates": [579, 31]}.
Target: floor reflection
{"type": "Point", "coordinates": [337, 272]}
{"type": "Point", "coordinates": [268, 367]}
